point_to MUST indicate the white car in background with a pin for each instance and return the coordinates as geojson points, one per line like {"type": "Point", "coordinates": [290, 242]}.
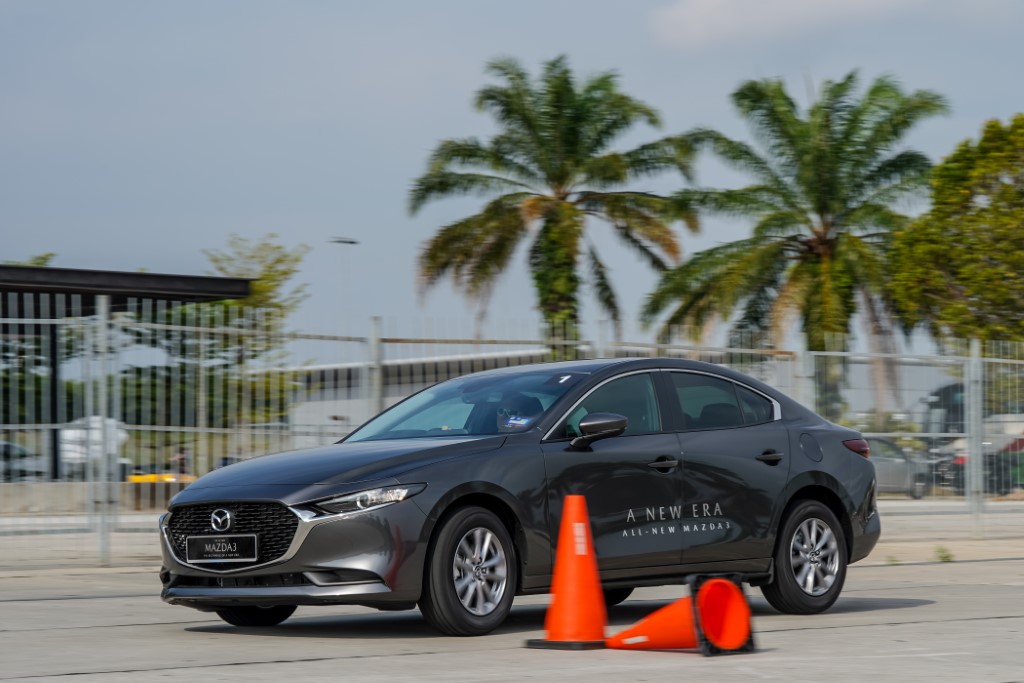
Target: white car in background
{"type": "Point", "coordinates": [91, 440]}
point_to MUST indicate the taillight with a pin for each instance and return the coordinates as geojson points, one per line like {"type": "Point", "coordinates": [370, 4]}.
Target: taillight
{"type": "Point", "coordinates": [960, 460]}
{"type": "Point", "coordinates": [859, 446]}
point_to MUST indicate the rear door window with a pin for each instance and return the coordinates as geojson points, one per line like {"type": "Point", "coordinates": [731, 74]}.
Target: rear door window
{"type": "Point", "coordinates": [707, 402]}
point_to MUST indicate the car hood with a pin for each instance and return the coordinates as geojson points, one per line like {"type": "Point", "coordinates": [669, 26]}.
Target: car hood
{"type": "Point", "coordinates": [344, 462]}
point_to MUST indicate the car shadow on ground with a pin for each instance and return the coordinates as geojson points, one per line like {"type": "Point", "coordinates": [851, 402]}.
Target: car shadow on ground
{"type": "Point", "coordinates": [523, 619]}
{"type": "Point", "coordinates": [854, 605]}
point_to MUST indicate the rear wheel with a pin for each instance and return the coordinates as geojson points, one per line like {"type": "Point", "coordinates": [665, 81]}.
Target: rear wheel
{"type": "Point", "coordinates": [256, 616]}
{"type": "Point", "coordinates": [615, 596]}
{"type": "Point", "coordinates": [918, 488]}
{"type": "Point", "coordinates": [471, 574]}
{"type": "Point", "coordinates": [810, 561]}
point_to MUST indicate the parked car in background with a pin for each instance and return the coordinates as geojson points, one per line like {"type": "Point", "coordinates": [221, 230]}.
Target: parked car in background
{"type": "Point", "coordinates": [1000, 473]}
{"type": "Point", "coordinates": [85, 443]}
{"type": "Point", "coordinates": [899, 470]}
{"type": "Point", "coordinates": [17, 463]}
{"type": "Point", "coordinates": [452, 499]}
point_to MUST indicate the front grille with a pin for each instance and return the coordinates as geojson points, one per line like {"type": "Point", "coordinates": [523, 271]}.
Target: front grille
{"type": "Point", "coordinates": [273, 524]}
{"type": "Point", "coordinates": [270, 580]}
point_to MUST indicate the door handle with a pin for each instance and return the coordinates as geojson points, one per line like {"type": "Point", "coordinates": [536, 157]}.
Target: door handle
{"type": "Point", "coordinates": [770, 457]}
{"type": "Point", "coordinates": [664, 464]}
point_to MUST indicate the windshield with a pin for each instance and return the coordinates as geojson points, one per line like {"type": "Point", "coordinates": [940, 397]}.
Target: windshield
{"type": "Point", "coordinates": [473, 406]}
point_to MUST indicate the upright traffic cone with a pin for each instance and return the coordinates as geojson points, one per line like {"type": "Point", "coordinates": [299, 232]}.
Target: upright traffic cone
{"type": "Point", "coordinates": [718, 621]}
{"type": "Point", "coordinates": [576, 618]}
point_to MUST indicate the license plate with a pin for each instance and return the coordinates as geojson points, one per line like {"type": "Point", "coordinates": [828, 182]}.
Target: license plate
{"type": "Point", "coordinates": [234, 548]}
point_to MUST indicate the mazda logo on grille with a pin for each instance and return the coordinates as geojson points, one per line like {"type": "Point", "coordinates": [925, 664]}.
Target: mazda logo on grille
{"type": "Point", "coordinates": [221, 519]}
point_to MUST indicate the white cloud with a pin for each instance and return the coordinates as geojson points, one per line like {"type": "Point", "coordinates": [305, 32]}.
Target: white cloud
{"type": "Point", "coordinates": [694, 24]}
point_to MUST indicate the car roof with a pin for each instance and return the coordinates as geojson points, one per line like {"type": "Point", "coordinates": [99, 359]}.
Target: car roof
{"type": "Point", "coordinates": [611, 366]}
{"type": "Point", "coordinates": [597, 365]}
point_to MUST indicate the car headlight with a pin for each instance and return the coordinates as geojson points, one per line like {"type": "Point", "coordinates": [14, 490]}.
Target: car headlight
{"type": "Point", "coordinates": [369, 500]}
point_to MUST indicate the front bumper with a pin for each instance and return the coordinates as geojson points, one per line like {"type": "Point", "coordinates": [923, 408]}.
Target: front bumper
{"type": "Point", "coordinates": [370, 558]}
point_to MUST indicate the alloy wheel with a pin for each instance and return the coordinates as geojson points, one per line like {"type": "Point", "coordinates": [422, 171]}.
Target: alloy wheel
{"type": "Point", "coordinates": [814, 555]}
{"type": "Point", "coordinates": [480, 571]}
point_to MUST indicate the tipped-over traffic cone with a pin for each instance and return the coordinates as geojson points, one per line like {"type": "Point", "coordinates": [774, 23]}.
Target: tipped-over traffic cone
{"type": "Point", "coordinates": [576, 617]}
{"type": "Point", "coordinates": [717, 621]}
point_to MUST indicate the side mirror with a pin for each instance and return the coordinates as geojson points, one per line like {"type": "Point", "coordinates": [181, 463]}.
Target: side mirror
{"type": "Point", "coordinates": [597, 426]}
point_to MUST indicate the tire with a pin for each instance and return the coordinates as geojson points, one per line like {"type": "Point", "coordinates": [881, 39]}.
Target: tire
{"type": "Point", "coordinates": [807, 583]}
{"type": "Point", "coordinates": [615, 596]}
{"type": "Point", "coordinates": [256, 616]}
{"type": "Point", "coordinates": [471, 574]}
{"type": "Point", "coordinates": [918, 489]}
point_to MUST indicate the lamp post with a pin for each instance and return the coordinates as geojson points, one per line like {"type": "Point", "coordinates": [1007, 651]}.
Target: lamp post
{"type": "Point", "coordinates": [347, 241]}
{"type": "Point", "coordinates": [344, 263]}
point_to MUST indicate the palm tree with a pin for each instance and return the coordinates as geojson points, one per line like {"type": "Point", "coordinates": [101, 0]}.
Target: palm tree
{"type": "Point", "coordinates": [545, 172]}
{"type": "Point", "coordinates": [822, 201]}
{"type": "Point", "coordinates": [822, 196]}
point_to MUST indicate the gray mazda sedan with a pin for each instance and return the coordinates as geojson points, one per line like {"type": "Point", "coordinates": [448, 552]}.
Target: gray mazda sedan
{"type": "Point", "coordinates": [451, 499]}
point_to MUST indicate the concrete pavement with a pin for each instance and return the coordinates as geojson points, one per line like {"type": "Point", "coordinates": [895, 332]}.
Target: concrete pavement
{"type": "Point", "coordinates": [936, 600]}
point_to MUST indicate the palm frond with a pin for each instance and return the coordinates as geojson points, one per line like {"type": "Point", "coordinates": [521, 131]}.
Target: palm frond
{"type": "Point", "coordinates": [788, 225]}
{"type": "Point", "coordinates": [907, 170]}
{"type": "Point", "coordinates": [473, 250]}
{"type": "Point", "coordinates": [702, 269]}
{"type": "Point", "coordinates": [743, 202]}
{"type": "Point", "coordinates": [744, 158]}
{"type": "Point", "coordinates": [606, 113]}
{"type": "Point", "coordinates": [515, 107]}
{"type": "Point", "coordinates": [640, 247]}
{"type": "Point", "coordinates": [471, 153]}
{"type": "Point", "coordinates": [791, 293]}
{"type": "Point", "coordinates": [638, 214]}
{"type": "Point", "coordinates": [898, 114]}
{"type": "Point", "coordinates": [604, 291]}
{"type": "Point", "coordinates": [775, 120]}
{"type": "Point", "coordinates": [440, 184]}
{"type": "Point", "coordinates": [875, 216]}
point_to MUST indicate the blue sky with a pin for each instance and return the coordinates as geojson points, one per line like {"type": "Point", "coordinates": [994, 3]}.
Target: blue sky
{"type": "Point", "coordinates": [135, 134]}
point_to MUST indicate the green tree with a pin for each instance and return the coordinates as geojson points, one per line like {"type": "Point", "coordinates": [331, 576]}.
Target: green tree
{"type": "Point", "coordinates": [547, 170]}
{"type": "Point", "coordinates": [37, 261]}
{"type": "Point", "coordinates": [270, 266]}
{"type": "Point", "coordinates": [250, 328]}
{"type": "Point", "coordinates": [959, 269]}
{"type": "Point", "coordinates": [213, 348]}
{"type": "Point", "coordinates": [824, 185]}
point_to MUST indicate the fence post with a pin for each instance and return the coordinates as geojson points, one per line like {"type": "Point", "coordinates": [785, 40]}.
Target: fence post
{"type": "Point", "coordinates": [376, 368]}
{"type": "Point", "coordinates": [106, 460]}
{"type": "Point", "coordinates": [974, 396]}
{"type": "Point", "coordinates": [804, 380]}
{"type": "Point", "coordinates": [602, 343]}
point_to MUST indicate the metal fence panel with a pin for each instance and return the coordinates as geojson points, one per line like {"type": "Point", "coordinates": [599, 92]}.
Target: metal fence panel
{"type": "Point", "coordinates": [108, 413]}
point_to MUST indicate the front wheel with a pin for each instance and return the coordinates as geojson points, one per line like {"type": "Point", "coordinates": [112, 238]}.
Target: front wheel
{"type": "Point", "coordinates": [471, 574]}
{"type": "Point", "coordinates": [256, 616]}
{"type": "Point", "coordinates": [810, 561]}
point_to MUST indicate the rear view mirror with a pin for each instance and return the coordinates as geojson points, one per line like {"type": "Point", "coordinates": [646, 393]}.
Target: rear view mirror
{"type": "Point", "coordinates": [597, 426]}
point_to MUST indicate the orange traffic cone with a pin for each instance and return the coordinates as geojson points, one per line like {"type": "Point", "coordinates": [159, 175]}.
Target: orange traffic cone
{"type": "Point", "coordinates": [718, 622]}
{"type": "Point", "coordinates": [576, 617]}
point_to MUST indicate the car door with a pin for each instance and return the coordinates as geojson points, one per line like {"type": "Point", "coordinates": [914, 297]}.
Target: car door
{"type": "Point", "coordinates": [735, 465]}
{"type": "Point", "coordinates": [631, 482]}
